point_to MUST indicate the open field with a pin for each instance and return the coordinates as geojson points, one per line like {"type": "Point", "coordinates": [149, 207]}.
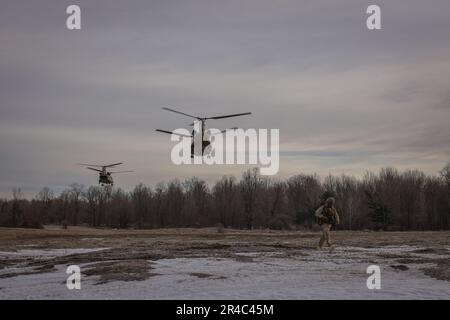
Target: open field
{"type": "Point", "coordinates": [234, 264]}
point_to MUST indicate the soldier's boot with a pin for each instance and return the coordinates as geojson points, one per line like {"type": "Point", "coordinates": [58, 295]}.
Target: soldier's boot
{"type": "Point", "coordinates": [322, 240]}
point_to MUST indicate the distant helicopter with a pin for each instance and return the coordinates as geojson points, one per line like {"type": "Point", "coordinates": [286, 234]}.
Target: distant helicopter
{"type": "Point", "coordinates": [104, 177]}
{"type": "Point", "coordinates": [200, 136]}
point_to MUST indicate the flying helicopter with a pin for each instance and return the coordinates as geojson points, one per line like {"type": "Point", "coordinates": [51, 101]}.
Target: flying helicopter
{"type": "Point", "coordinates": [201, 137]}
{"type": "Point", "coordinates": [104, 176]}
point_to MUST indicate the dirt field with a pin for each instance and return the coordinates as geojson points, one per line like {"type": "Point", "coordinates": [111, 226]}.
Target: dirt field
{"type": "Point", "coordinates": [206, 258]}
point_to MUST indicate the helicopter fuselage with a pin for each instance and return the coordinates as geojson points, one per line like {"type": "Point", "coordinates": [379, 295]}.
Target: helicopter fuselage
{"type": "Point", "coordinates": [105, 178]}
{"type": "Point", "coordinates": [205, 144]}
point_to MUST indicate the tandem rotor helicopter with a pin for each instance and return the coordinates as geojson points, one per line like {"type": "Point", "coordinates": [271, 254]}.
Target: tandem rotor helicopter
{"type": "Point", "coordinates": [201, 136]}
{"type": "Point", "coordinates": [104, 176]}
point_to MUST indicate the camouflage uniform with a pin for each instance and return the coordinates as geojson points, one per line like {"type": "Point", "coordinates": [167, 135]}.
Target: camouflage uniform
{"type": "Point", "coordinates": [326, 216]}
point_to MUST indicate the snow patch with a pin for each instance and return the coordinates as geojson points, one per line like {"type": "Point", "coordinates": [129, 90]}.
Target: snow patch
{"type": "Point", "coordinates": [319, 275]}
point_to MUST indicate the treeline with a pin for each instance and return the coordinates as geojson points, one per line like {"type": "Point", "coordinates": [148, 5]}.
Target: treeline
{"type": "Point", "coordinates": [389, 200]}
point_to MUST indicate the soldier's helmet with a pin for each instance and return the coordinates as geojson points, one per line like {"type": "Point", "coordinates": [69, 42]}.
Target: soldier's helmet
{"type": "Point", "coordinates": [330, 201]}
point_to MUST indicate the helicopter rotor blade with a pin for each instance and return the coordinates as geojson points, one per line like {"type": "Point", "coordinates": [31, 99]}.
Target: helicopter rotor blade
{"type": "Point", "coordinates": [93, 169]}
{"type": "Point", "coordinates": [90, 165]}
{"type": "Point", "coordinates": [170, 132]}
{"type": "Point", "coordinates": [121, 171]}
{"type": "Point", "coordinates": [223, 131]}
{"type": "Point", "coordinates": [112, 165]}
{"type": "Point", "coordinates": [179, 112]}
{"type": "Point", "coordinates": [230, 115]}
{"type": "Point", "coordinates": [100, 166]}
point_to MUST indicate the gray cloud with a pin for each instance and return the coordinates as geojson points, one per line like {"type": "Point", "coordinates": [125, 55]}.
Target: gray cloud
{"type": "Point", "coordinates": [345, 99]}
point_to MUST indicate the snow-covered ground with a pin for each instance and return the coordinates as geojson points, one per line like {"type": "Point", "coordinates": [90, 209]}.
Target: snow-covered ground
{"type": "Point", "coordinates": [340, 274]}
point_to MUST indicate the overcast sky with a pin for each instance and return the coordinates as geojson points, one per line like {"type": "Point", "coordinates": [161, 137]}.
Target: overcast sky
{"type": "Point", "coordinates": [345, 99]}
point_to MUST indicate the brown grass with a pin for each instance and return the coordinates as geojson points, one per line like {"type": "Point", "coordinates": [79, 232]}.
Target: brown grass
{"type": "Point", "coordinates": [127, 270]}
{"type": "Point", "coordinates": [441, 271]}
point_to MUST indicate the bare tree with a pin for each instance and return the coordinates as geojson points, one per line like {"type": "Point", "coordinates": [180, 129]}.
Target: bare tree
{"type": "Point", "coordinates": [174, 204]}
{"type": "Point", "coordinates": [303, 192]}
{"type": "Point", "coordinates": [103, 203]}
{"type": "Point", "coordinates": [64, 208]}
{"type": "Point", "coordinates": [91, 196]}
{"type": "Point", "coordinates": [45, 200]}
{"type": "Point", "coordinates": [196, 201]}
{"type": "Point", "coordinates": [346, 199]}
{"type": "Point", "coordinates": [3, 212]}
{"type": "Point", "coordinates": [445, 215]}
{"type": "Point", "coordinates": [142, 198]}
{"type": "Point", "coordinates": [120, 211]}
{"type": "Point", "coordinates": [158, 204]}
{"type": "Point", "coordinates": [75, 195]}
{"type": "Point", "coordinates": [389, 199]}
{"type": "Point", "coordinates": [433, 190]}
{"type": "Point", "coordinates": [16, 210]}
{"type": "Point", "coordinates": [226, 200]}
{"type": "Point", "coordinates": [249, 187]}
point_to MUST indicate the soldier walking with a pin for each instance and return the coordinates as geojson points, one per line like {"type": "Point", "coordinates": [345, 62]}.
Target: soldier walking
{"type": "Point", "coordinates": [326, 217]}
